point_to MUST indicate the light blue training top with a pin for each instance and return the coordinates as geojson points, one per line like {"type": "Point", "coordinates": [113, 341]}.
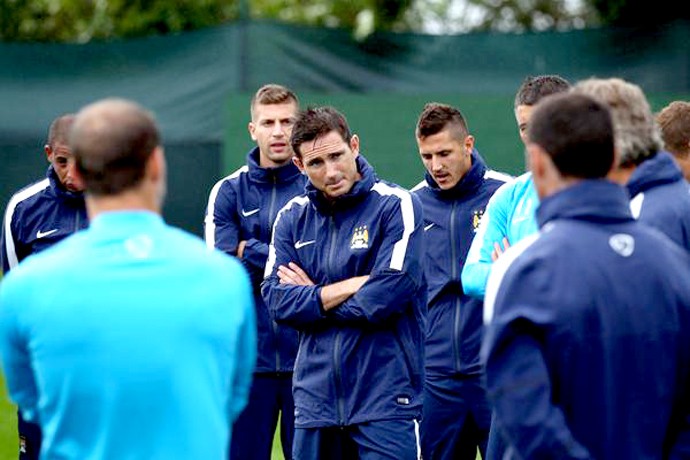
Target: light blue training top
{"type": "Point", "coordinates": [511, 214]}
{"type": "Point", "coordinates": [129, 340]}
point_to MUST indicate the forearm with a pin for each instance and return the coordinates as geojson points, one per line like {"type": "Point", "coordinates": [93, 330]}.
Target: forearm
{"type": "Point", "coordinates": [335, 294]}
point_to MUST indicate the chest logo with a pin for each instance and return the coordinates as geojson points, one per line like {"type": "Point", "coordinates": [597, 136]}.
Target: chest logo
{"type": "Point", "coordinates": [40, 234]}
{"type": "Point", "coordinates": [300, 244]}
{"type": "Point", "coordinates": [360, 238]}
{"type": "Point", "coordinates": [249, 213]}
{"type": "Point", "coordinates": [623, 244]}
{"type": "Point", "coordinates": [477, 218]}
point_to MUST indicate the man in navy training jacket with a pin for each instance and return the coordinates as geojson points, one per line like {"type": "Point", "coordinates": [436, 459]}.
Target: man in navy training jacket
{"type": "Point", "coordinates": [457, 186]}
{"type": "Point", "coordinates": [344, 268]}
{"type": "Point", "coordinates": [587, 348]}
{"type": "Point", "coordinates": [239, 218]}
{"type": "Point", "coordinates": [36, 217]}
{"type": "Point", "coordinates": [659, 194]}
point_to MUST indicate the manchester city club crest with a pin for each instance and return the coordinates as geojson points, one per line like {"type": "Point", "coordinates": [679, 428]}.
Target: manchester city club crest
{"type": "Point", "coordinates": [477, 218]}
{"type": "Point", "coordinates": [360, 238]}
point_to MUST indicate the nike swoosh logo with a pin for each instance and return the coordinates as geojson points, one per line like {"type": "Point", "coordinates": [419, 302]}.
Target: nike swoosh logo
{"type": "Point", "coordinates": [249, 213]}
{"type": "Point", "coordinates": [40, 234]}
{"type": "Point", "coordinates": [429, 226]}
{"type": "Point", "coordinates": [301, 244]}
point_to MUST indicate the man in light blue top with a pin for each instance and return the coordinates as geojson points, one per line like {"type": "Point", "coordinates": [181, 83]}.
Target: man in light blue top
{"type": "Point", "coordinates": [129, 340]}
{"type": "Point", "coordinates": [511, 213]}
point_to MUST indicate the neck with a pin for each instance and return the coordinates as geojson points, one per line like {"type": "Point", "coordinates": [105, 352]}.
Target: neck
{"type": "Point", "coordinates": [125, 201]}
{"type": "Point", "coordinates": [621, 176]}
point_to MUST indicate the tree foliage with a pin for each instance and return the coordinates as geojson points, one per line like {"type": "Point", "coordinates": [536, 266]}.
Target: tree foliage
{"type": "Point", "coordinates": [85, 20]}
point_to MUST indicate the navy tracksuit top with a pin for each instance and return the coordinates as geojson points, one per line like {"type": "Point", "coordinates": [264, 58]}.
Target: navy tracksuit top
{"type": "Point", "coordinates": [588, 346]}
{"type": "Point", "coordinates": [363, 360]}
{"type": "Point", "coordinates": [243, 206]}
{"type": "Point", "coordinates": [451, 218]}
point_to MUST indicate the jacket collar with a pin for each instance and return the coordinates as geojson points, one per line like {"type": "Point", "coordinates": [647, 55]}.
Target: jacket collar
{"type": "Point", "coordinates": [359, 190]}
{"type": "Point", "coordinates": [658, 170]}
{"type": "Point", "coordinates": [598, 201]}
{"type": "Point", "coordinates": [470, 182]}
{"type": "Point", "coordinates": [58, 190]}
{"type": "Point", "coordinates": [280, 174]}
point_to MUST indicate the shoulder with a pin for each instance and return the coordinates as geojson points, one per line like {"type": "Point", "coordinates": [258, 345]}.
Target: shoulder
{"type": "Point", "coordinates": [497, 176]}
{"type": "Point", "coordinates": [28, 196]}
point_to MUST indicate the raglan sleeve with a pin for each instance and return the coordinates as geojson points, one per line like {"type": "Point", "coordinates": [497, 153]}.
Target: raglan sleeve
{"type": "Point", "coordinates": [517, 377]}
{"type": "Point", "coordinates": [14, 346]}
{"type": "Point", "coordinates": [397, 274]}
{"type": "Point", "coordinates": [295, 305]}
{"type": "Point", "coordinates": [492, 229]}
{"type": "Point", "coordinates": [9, 246]}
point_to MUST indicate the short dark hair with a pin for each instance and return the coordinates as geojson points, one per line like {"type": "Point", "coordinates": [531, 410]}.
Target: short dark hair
{"type": "Point", "coordinates": [674, 122]}
{"type": "Point", "coordinates": [577, 133]}
{"type": "Point", "coordinates": [318, 121]}
{"type": "Point", "coordinates": [112, 140]}
{"type": "Point", "coordinates": [535, 88]}
{"type": "Point", "coordinates": [59, 129]}
{"type": "Point", "coordinates": [272, 94]}
{"type": "Point", "coordinates": [436, 117]}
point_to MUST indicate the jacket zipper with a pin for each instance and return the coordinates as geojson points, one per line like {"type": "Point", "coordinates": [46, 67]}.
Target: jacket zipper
{"type": "Point", "coordinates": [337, 363]}
{"type": "Point", "coordinates": [270, 230]}
{"type": "Point", "coordinates": [454, 275]}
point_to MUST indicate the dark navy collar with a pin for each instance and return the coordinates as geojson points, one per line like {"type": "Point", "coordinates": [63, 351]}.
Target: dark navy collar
{"type": "Point", "coordinates": [470, 182]}
{"type": "Point", "coordinates": [59, 190]}
{"type": "Point", "coordinates": [598, 201]}
{"type": "Point", "coordinates": [280, 174]}
{"type": "Point", "coordinates": [658, 170]}
{"type": "Point", "coordinates": [359, 190]}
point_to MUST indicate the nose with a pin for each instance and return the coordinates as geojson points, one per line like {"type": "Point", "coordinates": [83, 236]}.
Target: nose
{"type": "Point", "coordinates": [278, 130]}
{"type": "Point", "coordinates": [435, 164]}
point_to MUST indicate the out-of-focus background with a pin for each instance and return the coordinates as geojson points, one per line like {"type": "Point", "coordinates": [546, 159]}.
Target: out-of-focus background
{"type": "Point", "coordinates": [196, 63]}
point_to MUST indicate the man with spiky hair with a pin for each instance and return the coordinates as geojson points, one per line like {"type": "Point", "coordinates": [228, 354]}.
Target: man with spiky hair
{"type": "Point", "coordinates": [240, 214]}
{"type": "Point", "coordinates": [37, 217]}
{"type": "Point", "coordinates": [456, 416]}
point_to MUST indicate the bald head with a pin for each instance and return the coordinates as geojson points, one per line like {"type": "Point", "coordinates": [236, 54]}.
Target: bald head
{"type": "Point", "coordinates": [112, 141]}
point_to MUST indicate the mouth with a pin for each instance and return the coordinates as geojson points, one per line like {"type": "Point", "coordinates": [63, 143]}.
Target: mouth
{"type": "Point", "coordinates": [278, 146]}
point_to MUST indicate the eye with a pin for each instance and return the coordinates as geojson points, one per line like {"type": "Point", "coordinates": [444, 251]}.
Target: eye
{"type": "Point", "coordinates": [426, 156]}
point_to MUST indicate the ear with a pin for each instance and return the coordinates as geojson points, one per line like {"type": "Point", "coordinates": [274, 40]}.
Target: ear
{"type": "Point", "coordinates": [469, 144]}
{"type": "Point", "coordinates": [156, 164]}
{"type": "Point", "coordinates": [354, 144]}
{"type": "Point", "coordinates": [49, 152]}
{"type": "Point", "coordinates": [298, 162]}
{"type": "Point", "coordinates": [251, 127]}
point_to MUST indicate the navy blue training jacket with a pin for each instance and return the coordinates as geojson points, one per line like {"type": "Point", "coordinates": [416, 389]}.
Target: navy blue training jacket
{"type": "Point", "coordinates": [37, 217]}
{"type": "Point", "coordinates": [451, 218]}
{"type": "Point", "coordinates": [243, 206]}
{"type": "Point", "coordinates": [363, 360]}
{"type": "Point", "coordinates": [588, 347]}
{"type": "Point", "coordinates": [660, 197]}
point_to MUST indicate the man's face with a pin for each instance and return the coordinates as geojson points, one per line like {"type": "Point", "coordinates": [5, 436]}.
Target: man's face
{"type": "Point", "coordinates": [445, 157]}
{"type": "Point", "coordinates": [62, 159]}
{"type": "Point", "coordinates": [270, 128]}
{"type": "Point", "coordinates": [330, 163]}
{"type": "Point", "coordinates": [522, 115]}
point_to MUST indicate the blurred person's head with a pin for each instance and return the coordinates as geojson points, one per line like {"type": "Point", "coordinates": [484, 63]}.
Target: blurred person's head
{"type": "Point", "coordinates": [636, 132]}
{"type": "Point", "coordinates": [59, 153]}
{"type": "Point", "coordinates": [326, 150]}
{"type": "Point", "coordinates": [532, 90]}
{"type": "Point", "coordinates": [116, 144]}
{"type": "Point", "coordinates": [444, 143]}
{"type": "Point", "coordinates": [273, 109]}
{"type": "Point", "coordinates": [571, 138]}
{"type": "Point", "coordinates": [674, 122]}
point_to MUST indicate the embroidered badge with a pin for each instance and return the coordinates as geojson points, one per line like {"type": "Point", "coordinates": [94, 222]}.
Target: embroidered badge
{"type": "Point", "coordinates": [360, 238]}
{"type": "Point", "coordinates": [477, 218]}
